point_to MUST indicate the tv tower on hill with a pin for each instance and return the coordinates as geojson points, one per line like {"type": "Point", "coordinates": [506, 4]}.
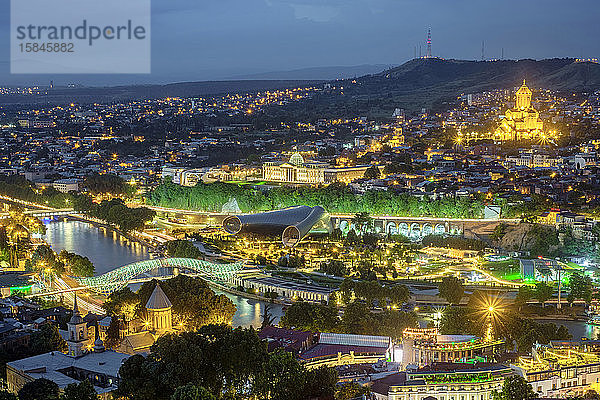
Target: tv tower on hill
{"type": "Point", "coordinates": [428, 43]}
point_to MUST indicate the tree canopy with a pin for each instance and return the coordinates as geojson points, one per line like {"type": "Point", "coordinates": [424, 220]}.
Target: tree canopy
{"type": "Point", "coordinates": [357, 319]}
{"type": "Point", "coordinates": [228, 363]}
{"type": "Point", "coordinates": [515, 388]}
{"type": "Point", "coordinates": [39, 389]}
{"type": "Point", "coordinates": [451, 289]}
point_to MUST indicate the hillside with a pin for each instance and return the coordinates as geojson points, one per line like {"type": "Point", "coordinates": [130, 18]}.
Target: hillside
{"type": "Point", "coordinates": [432, 82]}
{"type": "Point", "coordinates": [62, 95]}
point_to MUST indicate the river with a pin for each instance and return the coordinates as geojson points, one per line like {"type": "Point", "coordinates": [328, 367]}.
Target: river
{"type": "Point", "coordinates": [108, 250]}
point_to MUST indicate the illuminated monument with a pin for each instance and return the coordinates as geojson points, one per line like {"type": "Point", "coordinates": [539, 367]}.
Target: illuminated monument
{"type": "Point", "coordinates": [521, 122]}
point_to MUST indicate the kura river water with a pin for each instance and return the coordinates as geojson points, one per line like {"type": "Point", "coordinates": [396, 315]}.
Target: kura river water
{"type": "Point", "coordinates": [108, 250]}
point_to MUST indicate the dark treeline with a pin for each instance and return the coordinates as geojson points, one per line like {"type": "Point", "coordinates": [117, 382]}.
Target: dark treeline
{"type": "Point", "coordinates": [337, 198]}
{"type": "Point", "coordinates": [115, 212]}
{"type": "Point", "coordinates": [453, 242]}
{"type": "Point", "coordinates": [356, 319]}
{"type": "Point", "coordinates": [18, 187]}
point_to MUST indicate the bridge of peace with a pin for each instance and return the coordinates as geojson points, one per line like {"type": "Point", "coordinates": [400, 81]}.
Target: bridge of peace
{"type": "Point", "coordinates": [142, 271]}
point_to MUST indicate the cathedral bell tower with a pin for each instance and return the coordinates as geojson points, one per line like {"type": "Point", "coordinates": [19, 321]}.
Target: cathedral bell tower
{"type": "Point", "coordinates": [523, 97]}
{"type": "Point", "coordinates": [78, 334]}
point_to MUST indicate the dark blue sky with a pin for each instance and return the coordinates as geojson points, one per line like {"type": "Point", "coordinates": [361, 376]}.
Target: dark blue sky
{"type": "Point", "coordinates": [215, 39]}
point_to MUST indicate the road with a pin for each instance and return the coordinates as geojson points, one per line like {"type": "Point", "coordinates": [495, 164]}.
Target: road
{"type": "Point", "coordinates": [84, 300]}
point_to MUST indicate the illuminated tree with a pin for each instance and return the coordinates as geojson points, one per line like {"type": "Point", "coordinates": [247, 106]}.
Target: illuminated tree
{"type": "Point", "coordinates": [580, 287]}
{"type": "Point", "coordinates": [543, 292]}
{"type": "Point", "coordinates": [515, 388]}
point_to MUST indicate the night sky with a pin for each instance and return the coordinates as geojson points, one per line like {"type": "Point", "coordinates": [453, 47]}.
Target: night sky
{"type": "Point", "coordinates": [216, 39]}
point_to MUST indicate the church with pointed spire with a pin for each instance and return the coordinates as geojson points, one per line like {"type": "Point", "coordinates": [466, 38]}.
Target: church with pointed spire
{"type": "Point", "coordinates": [77, 332]}
{"type": "Point", "coordinates": [80, 362]}
{"type": "Point", "coordinates": [522, 122]}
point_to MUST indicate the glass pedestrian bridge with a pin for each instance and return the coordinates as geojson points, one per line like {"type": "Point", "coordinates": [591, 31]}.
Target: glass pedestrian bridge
{"type": "Point", "coordinates": [145, 270]}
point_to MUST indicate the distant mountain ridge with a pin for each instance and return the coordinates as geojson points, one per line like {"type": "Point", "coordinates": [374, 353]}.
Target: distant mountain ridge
{"type": "Point", "coordinates": [319, 73]}
{"type": "Point", "coordinates": [418, 83]}
{"type": "Point", "coordinates": [431, 82]}
{"type": "Point", "coordinates": [63, 95]}
{"type": "Point", "coordinates": [440, 80]}
{"type": "Point", "coordinates": [556, 73]}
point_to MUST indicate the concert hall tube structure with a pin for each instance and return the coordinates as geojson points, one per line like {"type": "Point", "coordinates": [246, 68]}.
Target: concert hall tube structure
{"type": "Point", "coordinates": [291, 223]}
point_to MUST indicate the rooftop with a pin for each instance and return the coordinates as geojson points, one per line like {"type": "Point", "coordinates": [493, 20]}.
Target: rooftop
{"type": "Point", "coordinates": [48, 365]}
{"type": "Point", "coordinates": [158, 299]}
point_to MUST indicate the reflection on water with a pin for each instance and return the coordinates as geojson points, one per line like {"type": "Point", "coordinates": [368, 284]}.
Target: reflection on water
{"type": "Point", "coordinates": [249, 311]}
{"type": "Point", "coordinates": [105, 248]}
{"type": "Point", "coordinates": [579, 329]}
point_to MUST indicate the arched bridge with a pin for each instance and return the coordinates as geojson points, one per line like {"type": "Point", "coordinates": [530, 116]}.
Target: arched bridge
{"type": "Point", "coordinates": [120, 277]}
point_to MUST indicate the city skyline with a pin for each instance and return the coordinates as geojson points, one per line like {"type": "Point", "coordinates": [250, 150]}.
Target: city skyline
{"type": "Point", "coordinates": [226, 40]}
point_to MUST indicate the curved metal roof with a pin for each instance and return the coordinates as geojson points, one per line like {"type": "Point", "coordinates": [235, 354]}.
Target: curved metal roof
{"type": "Point", "coordinates": [292, 223]}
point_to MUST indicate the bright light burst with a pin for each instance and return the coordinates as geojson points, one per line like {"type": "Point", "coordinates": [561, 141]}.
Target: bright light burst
{"type": "Point", "coordinates": [491, 313]}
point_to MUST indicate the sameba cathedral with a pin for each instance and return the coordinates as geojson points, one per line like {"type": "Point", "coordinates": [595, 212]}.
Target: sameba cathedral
{"type": "Point", "coordinates": [521, 122]}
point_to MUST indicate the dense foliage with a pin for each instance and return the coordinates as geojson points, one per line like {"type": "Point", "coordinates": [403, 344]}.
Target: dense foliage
{"type": "Point", "coordinates": [40, 389]}
{"type": "Point", "coordinates": [515, 387]}
{"type": "Point", "coordinates": [451, 289]}
{"type": "Point", "coordinates": [373, 291]}
{"type": "Point", "coordinates": [580, 287]}
{"type": "Point", "coordinates": [44, 389]}
{"type": "Point", "coordinates": [18, 187]}
{"type": "Point", "coordinates": [227, 363]}
{"type": "Point", "coordinates": [78, 265]}
{"type": "Point", "coordinates": [357, 319]}
{"type": "Point", "coordinates": [510, 326]}
{"type": "Point", "coordinates": [337, 198]}
{"type": "Point", "coordinates": [44, 259]}
{"type": "Point", "coordinates": [182, 248]}
{"type": "Point", "coordinates": [106, 183]}
{"type": "Point", "coordinates": [194, 303]}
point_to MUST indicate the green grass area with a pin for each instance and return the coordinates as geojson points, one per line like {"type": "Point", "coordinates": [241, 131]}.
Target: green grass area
{"type": "Point", "coordinates": [573, 265]}
{"type": "Point", "coordinates": [325, 281]}
{"type": "Point", "coordinates": [506, 269]}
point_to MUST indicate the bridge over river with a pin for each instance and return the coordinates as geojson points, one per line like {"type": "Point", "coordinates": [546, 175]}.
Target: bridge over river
{"type": "Point", "coordinates": [147, 270]}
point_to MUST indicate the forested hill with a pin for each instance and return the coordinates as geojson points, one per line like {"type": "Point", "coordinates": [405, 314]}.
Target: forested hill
{"type": "Point", "coordinates": [431, 82]}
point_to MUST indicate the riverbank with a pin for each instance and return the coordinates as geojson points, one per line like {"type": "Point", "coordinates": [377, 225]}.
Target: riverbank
{"type": "Point", "coordinates": [247, 295]}
{"type": "Point", "coordinates": [101, 224]}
